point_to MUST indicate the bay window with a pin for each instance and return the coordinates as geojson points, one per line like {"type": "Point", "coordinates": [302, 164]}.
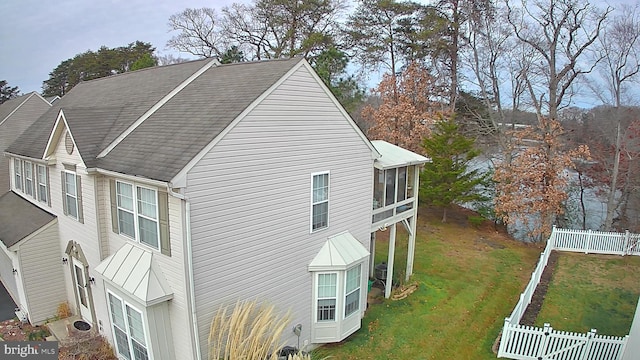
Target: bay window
{"type": "Point", "coordinates": [128, 329]}
{"type": "Point", "coordinates": [352, 291]}
{"type": "Point", "coordinates": [327, 291]}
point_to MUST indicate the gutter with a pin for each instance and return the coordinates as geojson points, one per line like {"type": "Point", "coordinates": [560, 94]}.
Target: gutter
{"type": "Point", "coordinates": [189, 265]}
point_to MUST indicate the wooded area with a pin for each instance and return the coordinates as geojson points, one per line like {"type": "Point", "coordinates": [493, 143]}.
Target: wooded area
{"type": "Point", "coordinates": [508, 72]}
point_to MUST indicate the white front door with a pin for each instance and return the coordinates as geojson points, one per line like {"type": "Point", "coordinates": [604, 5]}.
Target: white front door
{"type": "Point", "coordinates": [81, 283]}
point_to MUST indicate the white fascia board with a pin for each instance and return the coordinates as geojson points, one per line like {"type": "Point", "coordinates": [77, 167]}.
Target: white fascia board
{"type": "Point", "coordinates": [155, 108]}
{"type": "Point", "coordinates": [52, 137]}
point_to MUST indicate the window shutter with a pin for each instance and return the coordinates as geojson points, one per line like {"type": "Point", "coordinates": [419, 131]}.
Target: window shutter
{"type": "Point", "coordinates": [48, 186]}
{"type": "Point", "coordinates": [63, 186]}
{"type": "Point", "coordinates": [79, 194]}
{"type": "Point", "coordinates": [163, 219]}
{"type": "Point", "coordinates": [114, 206]}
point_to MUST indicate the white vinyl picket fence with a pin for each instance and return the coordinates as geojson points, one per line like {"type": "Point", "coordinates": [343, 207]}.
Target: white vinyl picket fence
{"type": "Point", "coordinates": [533, 343]}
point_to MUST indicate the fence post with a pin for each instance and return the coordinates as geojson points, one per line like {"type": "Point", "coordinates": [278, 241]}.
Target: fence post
{"type": "Point", "coordinates": [626, 247]}
{"type": "Point", "coordinates": [542, 349]}
{"type": "Point", "coordinates": [586, 349]}
{"type": "Point", "coordinates": [589, 233]}
{"type": "Point", "coordinates": [552, 239]}
{"type": "Point", "coordinates": [503, 338]}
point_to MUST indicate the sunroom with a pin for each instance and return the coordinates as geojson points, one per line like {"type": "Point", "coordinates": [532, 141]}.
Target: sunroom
{"type": "Point", "coordinates": [395, 201]}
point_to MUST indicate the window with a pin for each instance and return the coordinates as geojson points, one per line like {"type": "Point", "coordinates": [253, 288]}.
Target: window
{"type": "Point", "coordinates": [327, 287]}
{"type": "Point", "coordinates": [71, 194]}
{"type": "Point", "coordinates": [352, 291]}
{"type": "Point", "coordinates": [28, 178]}
{"type": "Point", "coordinates": [43, 180]}
{"type": "Point", "coordinates": [138, 217]}
{"type": "Point", "coordinates": [128, 330]}
{"type": "Point", "coordinates": [320, 201]}
{"type": "Point", "coordinates": [17, 167]}
{"type": "Point", "coordinates": [390, 187]}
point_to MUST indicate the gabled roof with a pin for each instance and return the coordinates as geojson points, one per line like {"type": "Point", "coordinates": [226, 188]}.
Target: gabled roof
{"type": "Point", "coordinates": [133, 93]}
{"type": "Point", "coordinates": [19, 218]}
{"type": "Point", "coordinates": [134, 270]}
{"type": "Point", "coordinates": [392, 156]}
{"type": "Point", "coordinates": [10, 106]}
{"type": "Point", "coordinates": [339, 253]}
{"type": "Point", "coordinates": [152, 122]}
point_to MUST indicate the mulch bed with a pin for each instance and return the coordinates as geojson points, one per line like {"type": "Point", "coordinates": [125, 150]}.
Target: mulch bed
{"type": "Point", "coordinates": [14, 330]}
{"type": "Point", "coordinates": [531, 314]}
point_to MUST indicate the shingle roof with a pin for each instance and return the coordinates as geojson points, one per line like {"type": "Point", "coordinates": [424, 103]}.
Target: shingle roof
{"type": "Point", "coordinates": [10, 105]}
{"type": "Point", "coordinates": [134, 93]}
{"type": "Point", "coordinates": [19, 218]}
{"type": "Point", "coordinates": [99, 111]}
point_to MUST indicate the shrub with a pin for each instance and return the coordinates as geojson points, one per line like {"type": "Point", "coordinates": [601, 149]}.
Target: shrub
{"type": "Point", "coordinates": [64, 311]}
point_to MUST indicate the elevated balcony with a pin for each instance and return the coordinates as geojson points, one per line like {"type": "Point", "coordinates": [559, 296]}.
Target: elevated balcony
{"type": "Point", "coordinates": [395, 200]}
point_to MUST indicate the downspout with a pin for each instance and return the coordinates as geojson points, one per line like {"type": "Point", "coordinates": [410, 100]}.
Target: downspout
{"type": "Point", "coordinates": [189, 257]}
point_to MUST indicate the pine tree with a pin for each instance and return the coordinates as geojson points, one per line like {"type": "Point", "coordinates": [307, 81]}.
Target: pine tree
{"type": "Point", "coordinates": [447, 179]}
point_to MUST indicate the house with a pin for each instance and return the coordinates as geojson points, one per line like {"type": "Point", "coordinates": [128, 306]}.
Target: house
{"type": "Point", "coordinates": [16, 115]}
{"type": "Point", "coordinates": [178, 189]}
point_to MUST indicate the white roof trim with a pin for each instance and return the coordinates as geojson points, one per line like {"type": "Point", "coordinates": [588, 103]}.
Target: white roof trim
{"type": "Point", "coordinates": [393, 156]}
{"type": "Point", "coordinates": [340, 252]}
{"type": "Point", "coordinates": [155, 107]}
{"type": "Point", "coordinates": [133, 270]}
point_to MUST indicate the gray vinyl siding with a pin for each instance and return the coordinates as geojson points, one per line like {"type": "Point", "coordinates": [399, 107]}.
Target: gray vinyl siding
{"type": "Point", "coordinates": [42, 274]}
{"type": "Point", "coordinates": [250, 202]}
{"type": "Point", "coordinates": [30, 110]}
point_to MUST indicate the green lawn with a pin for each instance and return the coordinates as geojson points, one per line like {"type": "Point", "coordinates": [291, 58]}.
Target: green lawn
{"type": "Point", "coordinates": [469, 281]}
{"type": "Point", "coordinates": [592, 292]}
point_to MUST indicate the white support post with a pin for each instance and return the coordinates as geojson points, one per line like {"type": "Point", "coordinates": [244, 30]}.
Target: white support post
{"type": "Point", "coordinates": [372, 255]}
{"type": "Point", "coordinates": [392, 250]}
{"type": "Point", "coordinates": [504, 337]}
{"type": "Point", "coordinates": [412, 246]}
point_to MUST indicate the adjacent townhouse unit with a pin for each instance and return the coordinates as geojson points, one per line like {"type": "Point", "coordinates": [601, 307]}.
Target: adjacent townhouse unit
{"type": "Point", "coordinates": [16, 115]}
{"type": "Point", "coordinates": [170, 191]}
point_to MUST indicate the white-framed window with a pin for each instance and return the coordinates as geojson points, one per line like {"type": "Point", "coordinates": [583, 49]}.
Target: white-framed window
{"type": "Point", "coordinates": [128, 329]}
{"type": "Point", "coordinates": [327, 296]}
{"type": "Point", "coordinates": [28, 178]}
{"type": "Point", "coordinates": [17, 169]}
{"type": "Point", "coordinates": [352, 290]}
{"type": "Point", "coordinates": [71, 194]}
{"type": "Point", "coordinates": [138, 213]}
{"type": "Point", "coordinates": [319, 201]}
{"type": "Point", "coordinates": [43, 183]}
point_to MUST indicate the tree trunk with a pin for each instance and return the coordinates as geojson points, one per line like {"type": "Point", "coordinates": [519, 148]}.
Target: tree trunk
{"type": "Point", "coordinates": [444, 215]}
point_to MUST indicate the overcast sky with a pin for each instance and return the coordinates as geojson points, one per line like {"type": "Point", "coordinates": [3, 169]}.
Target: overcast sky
{"type": "Point", "coordinates": [37, 35]}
